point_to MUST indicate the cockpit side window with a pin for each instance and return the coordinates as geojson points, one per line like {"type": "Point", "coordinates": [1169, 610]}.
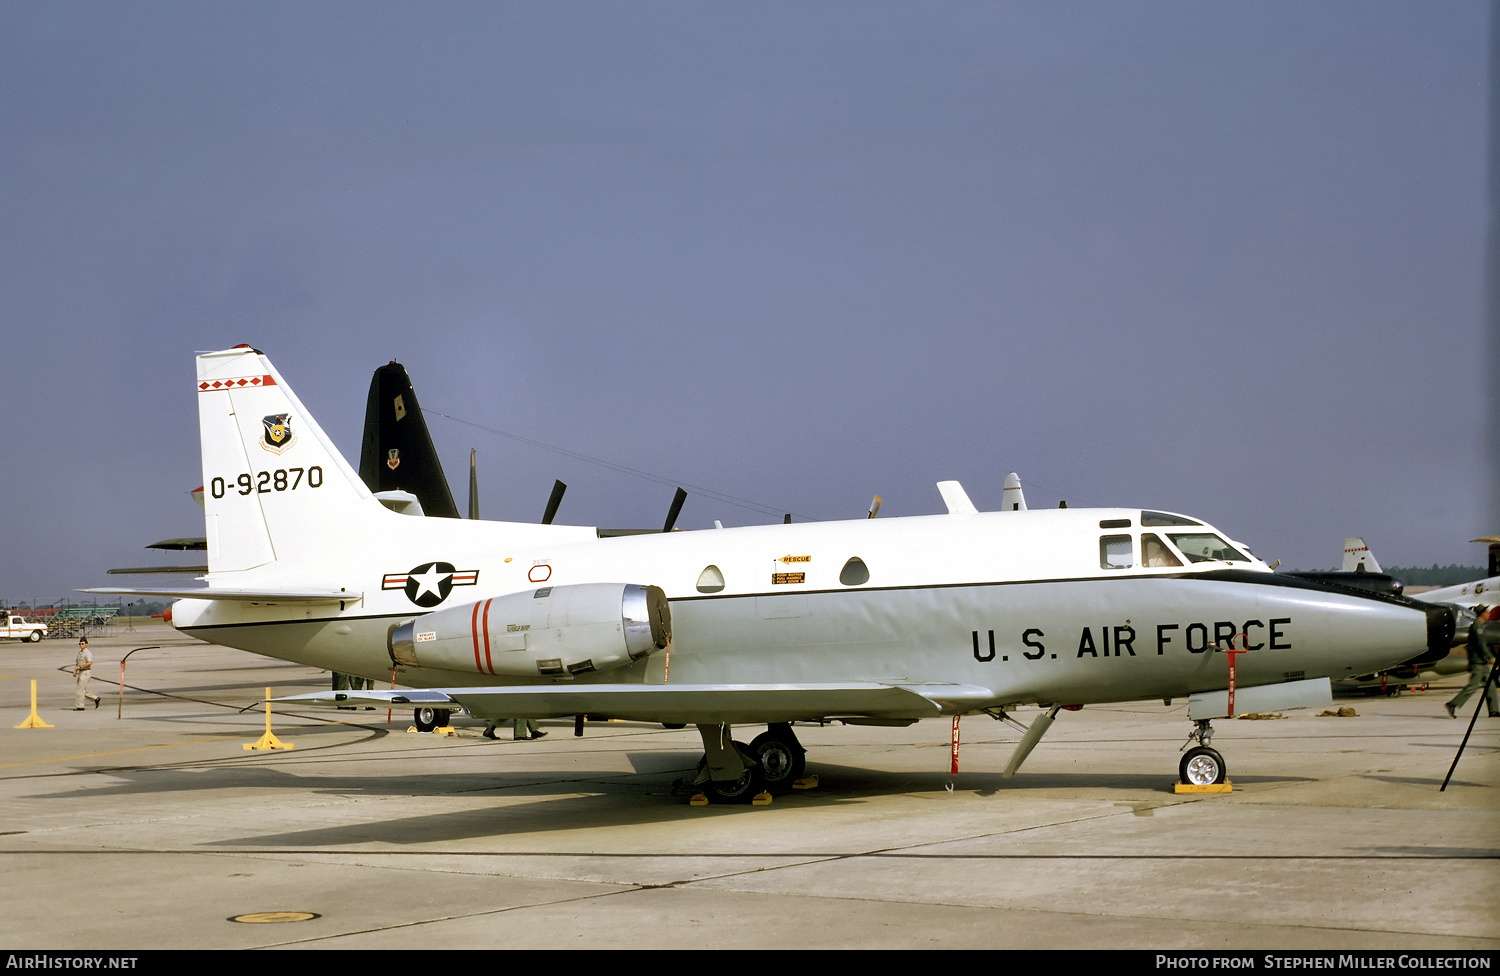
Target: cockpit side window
{"type": "Point", "coordinates": [1203, 547]}
{"type": "Point", "coordinates": [1116, 552]}
{"type": "Point", "coordinates": [1154, 552]}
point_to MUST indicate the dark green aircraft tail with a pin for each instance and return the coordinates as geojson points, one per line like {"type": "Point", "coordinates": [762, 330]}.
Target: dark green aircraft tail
{"type": "Point", "coordinates": [397, 454]}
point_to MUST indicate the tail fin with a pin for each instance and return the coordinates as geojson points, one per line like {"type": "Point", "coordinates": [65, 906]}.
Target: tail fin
{"type": "Point", "coordinates": [397, 453]}
{"type": "Point", "coordinates": [1358, 558]}
{"type": "Point", "coordinates": [1012, 499]}
{"type": "Point", "coordinates": [955, 498]}
{"type": "Point", "coordinates": [276, 489]}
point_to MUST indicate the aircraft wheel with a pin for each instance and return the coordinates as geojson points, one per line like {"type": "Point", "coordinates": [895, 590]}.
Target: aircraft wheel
{"type": "Point", "coordinates": [36, 635]}
{"type": "Point", "coordinates": [428, 718]}
{"type": "Point", "coordinates": [1201, 766]}
{"type": "Point", "coordinates": [782, 758]}
{"type": "Point", "coordinates": [742, 790]}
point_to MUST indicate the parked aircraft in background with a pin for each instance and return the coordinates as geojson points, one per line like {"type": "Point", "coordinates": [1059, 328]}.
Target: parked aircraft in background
{"type": "Point", "coordinates": [868, 621]}
{"type": "Point", "coordinates": [1466, 599]}
{"type": "Point", "coordinates": [397, 461]}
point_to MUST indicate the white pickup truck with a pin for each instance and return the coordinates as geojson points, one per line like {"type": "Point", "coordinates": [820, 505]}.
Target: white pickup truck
{"type": "Point", "coordinates": [19, 628]}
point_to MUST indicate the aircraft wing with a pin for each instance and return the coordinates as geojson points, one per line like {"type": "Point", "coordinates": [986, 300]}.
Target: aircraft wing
{"type": "Point", "coordinates": [688, 704]}
{"type": "Point", "coordinates": [242, 596]}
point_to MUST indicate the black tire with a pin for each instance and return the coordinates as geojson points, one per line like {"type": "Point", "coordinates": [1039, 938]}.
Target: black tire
{"type": "Point", "coordinates": [36, 635]}
{"type": "Point", "coordinates": [743, 790]}
{"type": "Point", "coordinates": [1202, 766]}
{"type": "Point", "coordinates": [428, 718]}
{"type": "Point", "coordinates": [782, 758]}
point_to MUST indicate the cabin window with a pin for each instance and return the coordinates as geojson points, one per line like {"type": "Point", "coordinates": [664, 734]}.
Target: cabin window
{"type": "Point", "coordinates": [855, 572]}
{"type": "Point", "coordinates": [1154, 552]}
{"type": "Point", "coordinates": [1162, 518]}
{"type": "Point", "coordinates": [1116, 552]}
{"type": "Point", "coordinates": [710, 580]}
{"type": "Point", "coordinates": [1204, 547]}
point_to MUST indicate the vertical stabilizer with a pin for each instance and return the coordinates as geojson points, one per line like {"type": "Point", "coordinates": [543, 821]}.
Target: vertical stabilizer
{"type": "Point", "coordinates": [1358, 558]}
{"type": "Point", "coordinates": [397, 452]}
{"type": "Point", "coordinates": [1012, 499]}
{"type": "Point", "coordinates": [275, 489]}
{"type": "Point", "coordinates": [956, 498]}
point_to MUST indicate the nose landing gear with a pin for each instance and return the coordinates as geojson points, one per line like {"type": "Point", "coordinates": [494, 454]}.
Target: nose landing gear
{"type": "Point", "coordinates": [1201, 765]}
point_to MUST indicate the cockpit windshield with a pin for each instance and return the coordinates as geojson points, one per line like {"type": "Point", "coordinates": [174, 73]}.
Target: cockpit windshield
{"type": "Point", "coordinates": [1203, 547]}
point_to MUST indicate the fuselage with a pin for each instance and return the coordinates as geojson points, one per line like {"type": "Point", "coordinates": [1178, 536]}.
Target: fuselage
{"type": "Point", "coordinates": [1072, 606]}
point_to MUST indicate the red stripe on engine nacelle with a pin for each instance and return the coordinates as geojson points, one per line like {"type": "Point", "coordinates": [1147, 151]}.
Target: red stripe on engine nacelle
{"type": "Point", "coordinates": [474, 632]}
{"type": "Point", "coordinates": [489, 665]}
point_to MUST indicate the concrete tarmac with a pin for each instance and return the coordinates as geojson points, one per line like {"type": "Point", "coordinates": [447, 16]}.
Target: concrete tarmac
{"type": "Point", "coordinates": [146, 824]}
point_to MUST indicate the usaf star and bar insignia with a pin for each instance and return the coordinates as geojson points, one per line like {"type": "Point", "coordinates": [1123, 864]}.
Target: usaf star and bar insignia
{"type": "Point", "coordinates": [430, 583]}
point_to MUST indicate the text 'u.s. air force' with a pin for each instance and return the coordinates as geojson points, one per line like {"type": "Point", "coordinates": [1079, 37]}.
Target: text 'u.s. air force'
{"type": "Point", "coordinates": [1121, 640]}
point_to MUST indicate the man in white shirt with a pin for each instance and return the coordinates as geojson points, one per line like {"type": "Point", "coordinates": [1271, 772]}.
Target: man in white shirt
{"type": "Point", "coordinates": [82, 667]}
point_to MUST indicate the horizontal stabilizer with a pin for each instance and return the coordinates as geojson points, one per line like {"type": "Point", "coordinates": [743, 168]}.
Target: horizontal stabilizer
{"type": "Point", "coordinates": [688, 704]}
{"type": "Point", "coordinates": [197, 570]}
{"type": "Point", "coordinates": [241, 596]}
{"type": "Point", "coordinates": [400, 502]}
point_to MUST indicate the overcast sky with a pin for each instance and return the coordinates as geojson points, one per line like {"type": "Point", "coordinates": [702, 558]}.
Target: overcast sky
{"type": "Point", "coordinates": [1220, 259]}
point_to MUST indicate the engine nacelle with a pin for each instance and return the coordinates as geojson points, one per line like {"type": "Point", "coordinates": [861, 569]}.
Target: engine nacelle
{"type": "Point", "coordinates": [554, 631]}
{"type": "Point", "coordinates": [1382, 583]}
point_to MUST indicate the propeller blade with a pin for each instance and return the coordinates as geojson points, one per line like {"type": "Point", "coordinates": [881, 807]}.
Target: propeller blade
{"type": "Point", "coordinates": [473, 487]}
{"type": "Point", "coordinates": [676, 508]}
{"type": "Point", "coordinates": [553, 502]}
{"type": "Point", "coordinates": [874, 508]}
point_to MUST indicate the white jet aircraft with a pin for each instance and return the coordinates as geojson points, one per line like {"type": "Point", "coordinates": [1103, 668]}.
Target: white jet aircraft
{"type": "Point", "coordinates": [868, 621]}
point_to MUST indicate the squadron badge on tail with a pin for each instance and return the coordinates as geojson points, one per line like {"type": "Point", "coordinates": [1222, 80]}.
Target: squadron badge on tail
{"type": "Point", "coordinates": [278, 436]}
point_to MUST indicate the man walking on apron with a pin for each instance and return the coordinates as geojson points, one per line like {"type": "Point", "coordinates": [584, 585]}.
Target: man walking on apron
{"type": "Point", "coordinates": [82, 666]}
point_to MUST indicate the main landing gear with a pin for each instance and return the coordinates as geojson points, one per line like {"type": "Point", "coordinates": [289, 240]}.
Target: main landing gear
{"type": "Point", "coordinates": [781, 757]}
{"type": "Point", "coordinates": [1202, 765]}
{"type": "Point", "coordinates": [428, 718]}
{"type": "Point", "coordinates": [733, 772]}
